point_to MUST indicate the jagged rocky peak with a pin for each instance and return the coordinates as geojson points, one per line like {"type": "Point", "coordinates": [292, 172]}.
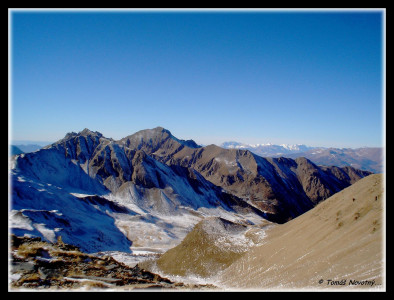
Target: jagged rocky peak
{"type": "Point", "coordinates": [85, 133]}
{"type": "Point", "coordinates": [80, 145]}
{"type": "Point", "coordinates": [70, 135]}
{"type": "Point", "coordinates": [150, 140]}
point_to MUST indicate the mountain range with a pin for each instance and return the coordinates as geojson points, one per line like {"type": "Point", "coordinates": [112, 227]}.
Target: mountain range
{"type": "Point", "coordinates": [365, 158]}
{"type": "Point", "coordinates": [267, 149]}
{"type": "Point", "coordinates": [149, 189]}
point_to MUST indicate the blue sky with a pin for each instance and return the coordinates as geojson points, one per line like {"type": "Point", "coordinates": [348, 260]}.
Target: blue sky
{"type": "Point", "coordinates": [302, 77]}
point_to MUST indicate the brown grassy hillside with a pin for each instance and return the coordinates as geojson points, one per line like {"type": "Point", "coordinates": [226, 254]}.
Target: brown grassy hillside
{"type": "Point", "coordinates": [341, 240]}
{"type": "Point", "coordinates": [212, 245]}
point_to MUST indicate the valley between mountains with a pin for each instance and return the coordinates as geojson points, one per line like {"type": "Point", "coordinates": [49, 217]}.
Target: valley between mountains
{"type": "Point", "coordinates": [144, 197]}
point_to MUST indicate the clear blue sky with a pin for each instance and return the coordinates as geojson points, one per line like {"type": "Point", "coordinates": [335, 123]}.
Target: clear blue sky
{"type": "Point", "coordinates": [282, 77]}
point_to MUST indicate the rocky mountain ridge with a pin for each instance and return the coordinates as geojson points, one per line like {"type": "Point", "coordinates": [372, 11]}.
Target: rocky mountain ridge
{"type": "Point", "coordinates": [261, 181]}
{"type": "Point", "coordinates": [149, 189]}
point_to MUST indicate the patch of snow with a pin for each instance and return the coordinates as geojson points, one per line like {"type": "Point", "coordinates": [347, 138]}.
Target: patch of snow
{"type": "Point", "coordinates": [80, 195]}
{"type": "Point", "coordinates": [132, 259]}
{"type": "Point", "coordinates": [55, 211]}
{"type": "Point", "coordinates": [89, 280]}
{"type": "Point", "coordinates": [47, 233]}
{"type": "Point", "coordinates": [14, 277]}
{"type": "Point", "coordinates": [228, 163]}
{"type": "Point", "coordinates": [45, 259]}
{"type": "Point", "coordinates": [21, 179]}
{"type": "Point", "coordinates": [20, 221]}
{"type": "Point", "coordinates": [84, 166]}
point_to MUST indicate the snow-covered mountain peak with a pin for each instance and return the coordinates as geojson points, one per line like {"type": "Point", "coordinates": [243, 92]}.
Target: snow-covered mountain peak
{"type": "Point", "coordinates": [232, 145]}
{"type": "Point", "coordinates": [267, 149]}
{"type": "Point", "coordinates": [296, 147]}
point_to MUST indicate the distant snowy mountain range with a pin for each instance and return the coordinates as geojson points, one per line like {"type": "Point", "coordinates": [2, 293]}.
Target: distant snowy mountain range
{"type": "Point", "coordinates": [268, 149]}
{"type": "Point", "coordinates": [366, 158]}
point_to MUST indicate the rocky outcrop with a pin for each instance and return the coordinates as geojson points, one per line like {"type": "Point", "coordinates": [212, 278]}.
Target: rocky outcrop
{"type": "Point", "coordinates": [40, 265]}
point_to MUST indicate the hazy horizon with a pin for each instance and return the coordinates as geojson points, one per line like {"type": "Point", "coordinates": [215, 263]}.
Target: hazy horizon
{"type": "Point", "coordinates": [44, 143]}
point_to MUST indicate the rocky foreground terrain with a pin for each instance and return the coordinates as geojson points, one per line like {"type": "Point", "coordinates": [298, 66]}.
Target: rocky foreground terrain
{"type": "Point", "coordinates": [36, 264]}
